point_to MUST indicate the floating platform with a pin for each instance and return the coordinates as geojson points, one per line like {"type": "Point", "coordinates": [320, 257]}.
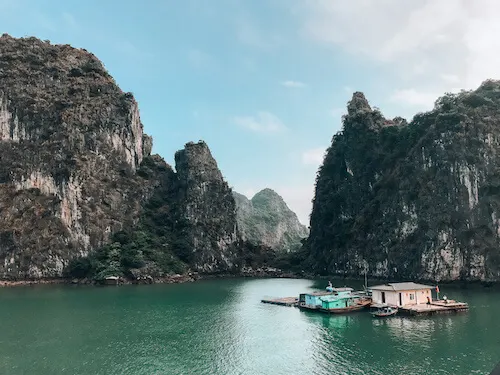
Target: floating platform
{"type": "Point", "coordinates": [285, 301]}
{"type": "Point", "coordinates": [435, 308]}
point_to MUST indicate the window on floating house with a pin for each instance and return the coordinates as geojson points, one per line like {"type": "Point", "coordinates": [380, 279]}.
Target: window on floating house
{"type": "Point", "coordinates": [412, 296]}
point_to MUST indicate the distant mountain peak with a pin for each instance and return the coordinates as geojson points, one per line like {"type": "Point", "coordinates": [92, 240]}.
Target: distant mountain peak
{"type": "Point", "coordinates": [266, 219]}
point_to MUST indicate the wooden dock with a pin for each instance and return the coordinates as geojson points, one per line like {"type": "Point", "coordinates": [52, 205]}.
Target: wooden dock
{"type": "Point", "coordinates": [435, 308]}
{"type": "Point", "coordinates": [285, 301]}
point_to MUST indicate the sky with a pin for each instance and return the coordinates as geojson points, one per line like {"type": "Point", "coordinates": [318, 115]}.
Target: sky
{"type": "Point", "coordinates": [265, 82]}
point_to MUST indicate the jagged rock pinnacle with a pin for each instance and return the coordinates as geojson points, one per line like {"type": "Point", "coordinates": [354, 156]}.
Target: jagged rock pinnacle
{"type": "Point", "coordinates": [358, 103]}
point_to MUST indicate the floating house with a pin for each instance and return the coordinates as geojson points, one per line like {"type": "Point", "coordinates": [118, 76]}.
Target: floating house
{"type": "Point", "coordinates": [314, 300]}
{"type": "Point", "coordinates": [414, 299]}
{"type": "Point", "coordinates": [401, 294]}
{"type": "Point", "coordinates": [336, 301]}
{"type": "Point", "coordinates": [410, 299]}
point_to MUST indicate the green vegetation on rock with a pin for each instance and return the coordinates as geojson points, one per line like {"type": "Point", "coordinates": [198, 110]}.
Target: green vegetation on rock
{"type": "Point", "coordinates": [153, 247]}
{"type": "Point", "coordinates": [80, 194]}
{"type": "Point", "coordinates": [417, 200]}
{"type": "Point", "coordinates": [188, 223]}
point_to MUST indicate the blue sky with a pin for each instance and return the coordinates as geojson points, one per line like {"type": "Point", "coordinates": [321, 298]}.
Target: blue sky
{"type": "Point", "coordinates": [265, 83]}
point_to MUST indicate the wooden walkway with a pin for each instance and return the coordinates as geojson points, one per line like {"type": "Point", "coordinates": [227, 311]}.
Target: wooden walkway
{"type": "Point", "coordinates": [436, 307]}
{"type": "Point", "coordinates": [285, 301]}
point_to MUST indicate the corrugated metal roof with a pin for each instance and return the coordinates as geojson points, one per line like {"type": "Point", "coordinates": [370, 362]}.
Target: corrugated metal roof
{"type": "Point", "coordinates": [401, 286]}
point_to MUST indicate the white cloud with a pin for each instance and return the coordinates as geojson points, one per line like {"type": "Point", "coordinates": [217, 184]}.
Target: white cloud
{"type": "Point", "coordinates": [450, 78]}
{"type": "Point", "coordinates": [415, 98]}
{"type": "Point", "coordinates": [263, 122]}
{"type": "Point", "coordinates": [414, 38]}
{"type": "Point", "coordinates": [313, 156]}
{"type": "Point", "coordinates": [293, 84]}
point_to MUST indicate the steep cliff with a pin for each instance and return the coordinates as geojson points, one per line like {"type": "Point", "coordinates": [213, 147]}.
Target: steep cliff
{"type": "Point", "coordinates": [70, 142]}
{"type": "Point", "coordinates": [417, 200]}
{"type": "Point", "coordinates": [267, 220]}
{"type": "Point", "coordinates": [188, 223]}
{"type": "Point", "coordinates": [208, 212]}
{"type": "Point", "coordinates": [77, 180]}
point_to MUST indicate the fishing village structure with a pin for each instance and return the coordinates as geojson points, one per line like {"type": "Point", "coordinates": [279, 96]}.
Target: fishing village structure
{"type": "Point", "coordinates": [401, 294]}
{"type": "Point", "coordinates": [408, 297]}
{"type": "Point", "coordinates": [413, 299]}
{"type": "Point", "coordinates": [334, 300]}
{"type": "Point", "coordinates": [314, 300]}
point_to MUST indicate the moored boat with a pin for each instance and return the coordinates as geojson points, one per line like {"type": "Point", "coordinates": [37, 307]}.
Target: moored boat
{"type": "Point", "coordinates": [385, 311]}
{"type": "Point", "coordinates": [334, 300]}
{"type": "Point", "coordinates": [343, 305]}
{"type": "Point", "coordinates": [313, 300]}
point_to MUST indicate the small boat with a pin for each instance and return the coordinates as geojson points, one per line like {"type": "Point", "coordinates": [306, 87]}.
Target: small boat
{"type": "Point", "coordinates": [111, 280]}
{"type": "Point", "coordinates": [384, 312]}
{"type": "Point", "coordinates": [344, 305]}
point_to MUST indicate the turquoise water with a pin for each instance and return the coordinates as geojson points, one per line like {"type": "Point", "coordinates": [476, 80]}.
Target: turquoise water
{"type": "Point", "coordinates": [220, 327]}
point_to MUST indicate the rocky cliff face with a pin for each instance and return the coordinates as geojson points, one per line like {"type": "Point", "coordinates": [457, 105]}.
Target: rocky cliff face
{"type": "Point", "coordinates": [417, 200]}
{"type": "Point", "coordinates": [267, 220]}
{"type": "Point", "coordinates": [208, 209]}
{"type": "Point", "coordinates": [70, 142]}
{"type": "Point", "coordinates": [75, 174]}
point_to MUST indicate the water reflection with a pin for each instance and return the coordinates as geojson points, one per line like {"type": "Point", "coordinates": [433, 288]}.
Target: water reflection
{"type": "Point", "coordinates": [267, 335]}
{"type": "Point", "coordinates": [421, 330]}
{"type": "Point", "coordinates": [328, 321]}
{"type": "Point", "coordinates": [220, 327]}
{"type": "Point", "coordinates": [337, 349]}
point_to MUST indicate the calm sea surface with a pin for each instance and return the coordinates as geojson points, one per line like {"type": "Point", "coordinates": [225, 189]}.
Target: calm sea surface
{"type": "Point", "coordinates": [220, 327]}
